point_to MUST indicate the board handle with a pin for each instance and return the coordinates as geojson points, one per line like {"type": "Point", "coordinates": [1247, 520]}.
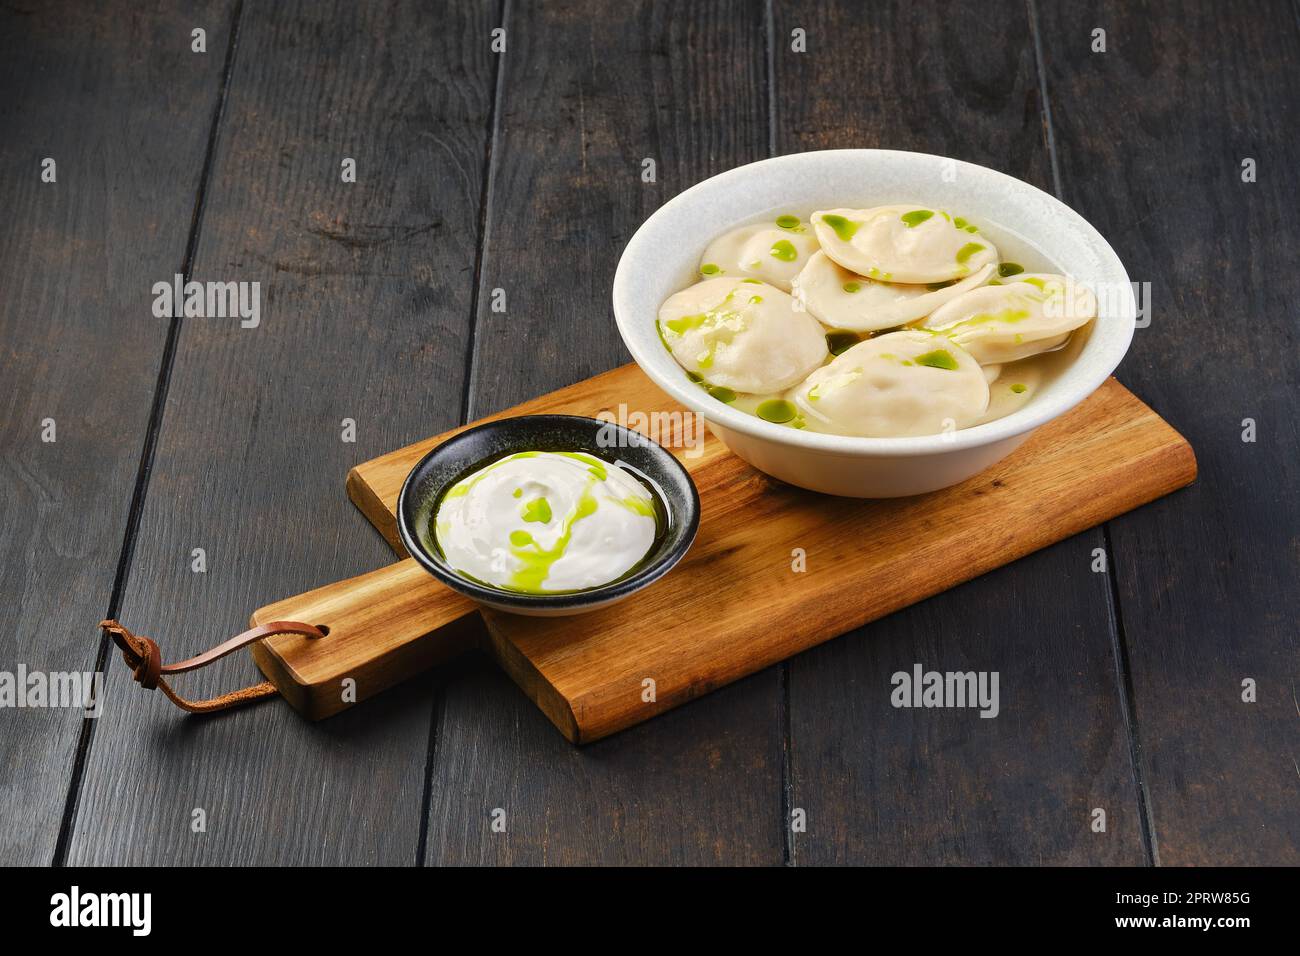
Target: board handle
{"type": "Point", "coordinates": [381, 627]}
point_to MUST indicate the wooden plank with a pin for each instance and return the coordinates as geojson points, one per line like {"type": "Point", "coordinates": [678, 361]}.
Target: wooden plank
{"type": "Point", "coordinates": [384, 626]}
{"type": "Point", "coordinates": [366, 291]}
{"type": "Point", "coordinates": [919, 786]}
{"type": "Point", "coordinates": [590, 91]}
{"type": "Point", "coordinates": [1108, 455]}
{"type": "Point", "coordinates": [78, 341]}
{"type": "Point", "coordinates": [1152, 137]}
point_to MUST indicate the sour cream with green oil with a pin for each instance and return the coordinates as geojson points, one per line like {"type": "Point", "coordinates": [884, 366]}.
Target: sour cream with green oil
{"type": "Point", "coordinates": [542, 522]}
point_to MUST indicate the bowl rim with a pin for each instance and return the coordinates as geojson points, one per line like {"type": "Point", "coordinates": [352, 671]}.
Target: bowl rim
{"type": "Point", "coordinates": [1031, 416]}
{"type": "Point", "coordinates": [599, 595]}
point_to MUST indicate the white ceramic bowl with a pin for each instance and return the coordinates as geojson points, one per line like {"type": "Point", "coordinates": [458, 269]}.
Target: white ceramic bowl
{"type": "Point", "coordinates": [1025, 222]}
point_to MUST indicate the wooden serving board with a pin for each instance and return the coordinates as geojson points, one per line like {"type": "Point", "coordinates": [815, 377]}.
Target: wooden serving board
{"type": "Point", "coordinates": [735, 604]}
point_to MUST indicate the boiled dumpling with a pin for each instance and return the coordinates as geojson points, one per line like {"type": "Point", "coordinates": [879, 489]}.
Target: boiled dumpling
{"type": "Point", "coordinates": [1012, 391]}
{"type": "Point", "coordinates": [902, 243]}
{"type": "Point", "coordinates": [742, 334]}
{"type": "Point", "coordinates": [1003, 323]}
{"type": "Point", "coordinates": [898, 384]}
{"type": "Point", "coordinates": [845, 300]}
{"type": "Point", "coordinates": [765, 250]}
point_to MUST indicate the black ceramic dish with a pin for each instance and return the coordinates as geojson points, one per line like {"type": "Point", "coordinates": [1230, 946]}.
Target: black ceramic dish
{"type": "Point", "coordinates": [483, 444]}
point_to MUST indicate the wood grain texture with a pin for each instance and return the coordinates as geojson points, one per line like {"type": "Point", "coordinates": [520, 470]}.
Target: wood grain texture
{"type": "Point", "coordinates": [366, 291]}
{"type": "Point", "coordinates": [589, 91]}
{"type": "Point", "coordinates": [1152, 135]}
{"type": "Point", "coordinates": [935, 786]}
{"type": "Point", "coordinates": [689, 635]}
{"type": "Point", "coordinates": [383, 628]}
{"type": "Point", "coordinates": [78, 341]}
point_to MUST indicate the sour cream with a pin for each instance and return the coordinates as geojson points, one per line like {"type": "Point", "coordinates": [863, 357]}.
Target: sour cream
{"type": "Point", "coordinates": [542, 522]}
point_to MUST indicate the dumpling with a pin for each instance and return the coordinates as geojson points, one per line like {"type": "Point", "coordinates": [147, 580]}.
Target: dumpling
{"type": "Point", "coordinates": [1003, 323]}
{"type": "Point", "coordinates": [1012, 391]}
{"type": "Point", "coordinates": [898, 384]}
{"type": "Point", "coordinates": [845, 300]}
{"type": "Point", "coordinates": [771, 251]}
{"type": "Point", "coordinates": [902, 243]}
{"type": "Point", "coordinates": [741, 334]}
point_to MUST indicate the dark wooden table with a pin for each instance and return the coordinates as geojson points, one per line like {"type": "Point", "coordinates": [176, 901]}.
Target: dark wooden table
{"type": "Point", "coordinates": [522, 171]}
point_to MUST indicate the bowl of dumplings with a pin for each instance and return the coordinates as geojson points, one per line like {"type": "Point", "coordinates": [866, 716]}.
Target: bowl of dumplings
{"type": "Point", "coordinates": [872, 323]}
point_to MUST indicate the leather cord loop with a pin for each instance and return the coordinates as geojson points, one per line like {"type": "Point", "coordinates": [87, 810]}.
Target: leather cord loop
{"type": "Point", "coordinates": [142, 655]}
